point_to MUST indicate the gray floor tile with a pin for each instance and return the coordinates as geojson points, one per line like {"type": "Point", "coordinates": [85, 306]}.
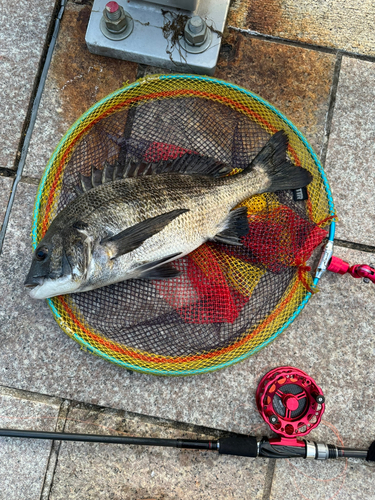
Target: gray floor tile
{"type": "Point", "coordinates": [294, 79]}
{"type": "Point", "coordinates": [22, 37]}
{"type": "Point", "coordinates": [5, 189]}
{"type": "Point", "coordinates": [348, 26]}
{"type": "Point", "coordinates": [332, 340]}
{"type": "Point", "coordinates": [351, 150]}
{"type": "Point", "coordinates": [76, 80]}
{"type": "Point", "coordinates": [92, 471]}
{"type": "Point", "coordinates": [345, 479]}
{"type": "Point", "coordinates": [23, 462]}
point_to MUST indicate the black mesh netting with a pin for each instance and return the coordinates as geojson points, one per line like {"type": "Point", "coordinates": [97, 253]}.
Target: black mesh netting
{"type": "Point", "coordinates": [223, 291]}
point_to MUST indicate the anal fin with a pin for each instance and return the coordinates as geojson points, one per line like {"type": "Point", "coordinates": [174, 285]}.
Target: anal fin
{"type": "Point", "coordinates": [237, 227]}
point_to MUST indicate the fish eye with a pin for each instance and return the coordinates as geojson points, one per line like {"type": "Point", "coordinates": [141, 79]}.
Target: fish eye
{"type": "Point", "coordinates": [42, 253]}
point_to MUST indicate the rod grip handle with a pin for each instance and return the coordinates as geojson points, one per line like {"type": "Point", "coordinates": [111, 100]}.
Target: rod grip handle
{"type": "Point", "coordinates": [243, 446]}
{"type": "Point", "coordinates": [371, 453]}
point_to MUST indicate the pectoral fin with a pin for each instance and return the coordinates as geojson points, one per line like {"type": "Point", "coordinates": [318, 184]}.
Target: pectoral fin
{"type": "Point", "coordinates": [165, 272]}
{"type": "Point", "coordinates": [157, 270]}
{"type": "Point", "coordinates": [133, 237]}
{"type": "Point", "coordinates": [237, 226]}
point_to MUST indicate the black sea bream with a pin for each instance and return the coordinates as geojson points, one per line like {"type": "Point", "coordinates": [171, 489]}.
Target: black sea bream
{"type": "Point", "coordinates": [134, 227]}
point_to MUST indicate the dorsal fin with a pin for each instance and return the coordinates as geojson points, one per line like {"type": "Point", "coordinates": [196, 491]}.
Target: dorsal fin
{"type": "Point", "coordinates": [108, 172]}
{"type": "Point", "coordinates": [189, 164]}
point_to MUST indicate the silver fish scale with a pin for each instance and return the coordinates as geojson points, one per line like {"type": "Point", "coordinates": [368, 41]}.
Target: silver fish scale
{"type": "Point", "coordinates": [129, 201]}
{"type": "Point", "coordinates": [114, 207]}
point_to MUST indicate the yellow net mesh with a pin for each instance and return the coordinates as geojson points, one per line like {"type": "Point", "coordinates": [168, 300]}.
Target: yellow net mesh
{"type": "Point", "coordinates": [175, 113]}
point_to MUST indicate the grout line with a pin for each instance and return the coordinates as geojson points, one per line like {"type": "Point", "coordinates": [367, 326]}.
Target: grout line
{"type": "Point", "coordinates": [33, 114]}
{"type": "Point", "coordinates": [304, 45]}
{"type": "Point", "coordinates": [331, 108]}
{"type": "Point", "coordinates": [354, 246]}
{"type": "Point", "coordinates": [54, 453]}
{"type": "Point", "coordinates": [30, 180]}
{"type": "Point", "coordinates": [162, 422]}
{"type": "Point", "coordinates": [159, 421]}
{"type": "Point", "coordinates": [269, 479]}
{"type": "Point", "coordinates": [141, 70]}
{"type": "Point", "coordinates": [35, 84]}
{"type": "Point", "coordinates": [284, 41]}
{"type": "Point", "coordinates": [7, 172]}
{"type": "Point", "coordinates": [30, 396]}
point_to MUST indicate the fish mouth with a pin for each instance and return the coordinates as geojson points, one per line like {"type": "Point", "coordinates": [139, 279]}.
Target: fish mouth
{"type": "Point", "coordinates": [48, 288]}
{"type": "Point", "coordinates": [33, 281]}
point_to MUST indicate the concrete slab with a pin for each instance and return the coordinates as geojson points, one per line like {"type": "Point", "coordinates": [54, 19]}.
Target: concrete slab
{"type": "Point", "coordinates": [76, 80]}
{"type": "Point", "coordinates": [346, 26]}
{"type": "Point", "coordinates": [24, 461]}
{"type": "Point", "coordinates": [351, 149]}
{"type": "Point", "coordinates": [22, 38]}
{"type": "Point", "coordinates": [91, 470]}
{"type": "Point", "coordinates": [36, 355]}
{"type": "Point", "coordinates": [5, 190]}
{"type": "Point", "coordinates": [313, 480]}
{"type": "Point", "coordinates": [337, 354]}
{"type": "Point", "coordinates": [295, 80]}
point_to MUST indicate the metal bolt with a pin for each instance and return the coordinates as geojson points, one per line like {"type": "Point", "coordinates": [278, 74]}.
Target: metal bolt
{"type": "Point", "coordinates": [273, 419]}
{"type": "Point", "coordinates": [113, 11]}
{"type": "Point", "coordinates": [195, 31]}
{"type": "Point", "coordinates": [319, 398]}
{"type": "Point", "coordinates": [196, 24]}
{"type": "Point", "coordinates": [114, 18]}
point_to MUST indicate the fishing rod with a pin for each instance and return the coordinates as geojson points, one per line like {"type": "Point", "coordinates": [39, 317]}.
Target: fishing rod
{"type": "Point", "coordinates": [241, 445]}
{"type": "Point", "coordinates": [288, 400]}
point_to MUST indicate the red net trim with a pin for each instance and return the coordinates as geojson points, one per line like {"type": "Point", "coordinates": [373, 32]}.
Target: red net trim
{"type": "Point", "coordinates": [278, 239]}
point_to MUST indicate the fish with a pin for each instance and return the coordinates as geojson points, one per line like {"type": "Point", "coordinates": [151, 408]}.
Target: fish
{"type": "Point", "coordinates": [122, 227]}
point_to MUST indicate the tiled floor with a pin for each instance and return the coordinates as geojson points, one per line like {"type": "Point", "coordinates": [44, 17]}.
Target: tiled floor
{"type": "Point", "coordinates": [22, 38]}
{"type": "Point", "coordinates": [309, 63]}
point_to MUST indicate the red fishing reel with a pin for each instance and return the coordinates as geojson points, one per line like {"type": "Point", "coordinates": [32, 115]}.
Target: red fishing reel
{"type": "Point", "coordinates": [290, 402]}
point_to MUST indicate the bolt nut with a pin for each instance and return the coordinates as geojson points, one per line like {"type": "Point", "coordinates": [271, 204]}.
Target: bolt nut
{"type": "Point", "coordinates": [195, 31]}
{"type": "Point", "coordinates": [320, 399]}
{"type": "Point", "coordinates": [273, 419]}
{"type": "Point", "coordinates": [115, 19]}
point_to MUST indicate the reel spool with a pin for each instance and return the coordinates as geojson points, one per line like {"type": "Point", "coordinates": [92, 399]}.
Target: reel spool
{"type": "Point", "coordinates": [290, 402]}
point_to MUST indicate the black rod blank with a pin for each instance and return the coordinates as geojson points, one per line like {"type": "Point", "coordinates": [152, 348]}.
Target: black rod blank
{"type": "Point", "coordinates": [95, 438]}
{"type": "Point", "coordinates": [352, 452]}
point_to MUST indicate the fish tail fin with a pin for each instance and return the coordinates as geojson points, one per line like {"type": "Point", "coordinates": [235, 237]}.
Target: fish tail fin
{"type": "Point", "coordinates": [272, 160]}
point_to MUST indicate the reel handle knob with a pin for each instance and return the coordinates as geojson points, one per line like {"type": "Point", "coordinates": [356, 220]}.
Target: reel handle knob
{"type": "Point", "coordinates": [319, 398]}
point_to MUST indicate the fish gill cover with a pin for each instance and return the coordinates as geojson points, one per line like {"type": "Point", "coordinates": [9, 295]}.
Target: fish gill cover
{"type": "Point", "coordinates": [228, 302]}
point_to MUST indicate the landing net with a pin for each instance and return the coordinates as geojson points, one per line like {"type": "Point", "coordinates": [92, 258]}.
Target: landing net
{"type": "Point", "coordinates": [228, 302]}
